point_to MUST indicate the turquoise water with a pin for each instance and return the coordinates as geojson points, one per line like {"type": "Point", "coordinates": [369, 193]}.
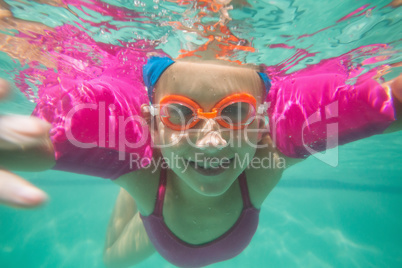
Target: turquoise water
{"type": "Point", "coordinates": [317, 216]}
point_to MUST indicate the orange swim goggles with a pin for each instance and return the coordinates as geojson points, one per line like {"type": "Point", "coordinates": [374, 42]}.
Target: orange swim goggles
{"type": "Point", "coordinates": [235, 111]}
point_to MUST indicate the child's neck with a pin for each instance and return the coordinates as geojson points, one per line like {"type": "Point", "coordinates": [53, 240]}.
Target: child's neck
{"type": "Point", "coordinates": [194, 198]}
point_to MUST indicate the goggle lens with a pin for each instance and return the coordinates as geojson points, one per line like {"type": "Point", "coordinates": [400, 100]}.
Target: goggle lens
{"type": "Point", "coordinates": [177, 114]}
{"type": "Point", "coordinates": [238, 114]}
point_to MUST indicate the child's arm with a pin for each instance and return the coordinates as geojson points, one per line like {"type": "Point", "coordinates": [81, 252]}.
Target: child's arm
{"type": "Point", "coordinates": [127, 242]}
{"type": "Point", "coordinates": [24, 145]}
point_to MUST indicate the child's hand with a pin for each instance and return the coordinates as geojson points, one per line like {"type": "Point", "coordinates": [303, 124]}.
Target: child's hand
{"type": "Point", "coordinates": [396, 3]}
{"type": "Point", "coordinates": [16, 133]}
{"type": "Point", "coordinates": [395, 85]}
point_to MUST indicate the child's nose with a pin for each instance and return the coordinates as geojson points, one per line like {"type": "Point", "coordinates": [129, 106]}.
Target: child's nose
{"type": "Point", "coordinates": [211, 136]}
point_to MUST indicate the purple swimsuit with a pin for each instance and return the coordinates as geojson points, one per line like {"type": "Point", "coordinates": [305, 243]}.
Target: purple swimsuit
{"type": "Point", "coordinates": [182, 254]}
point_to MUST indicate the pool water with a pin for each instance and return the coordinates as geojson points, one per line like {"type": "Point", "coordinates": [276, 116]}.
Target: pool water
{"type": "Point", "coordinates": [317, 216]}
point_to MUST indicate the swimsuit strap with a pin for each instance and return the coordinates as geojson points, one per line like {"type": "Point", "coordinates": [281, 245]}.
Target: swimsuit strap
{"type": "Point", "coordinates": [244, 190]}
{"type": "Point", "coordinates": [161, 192]}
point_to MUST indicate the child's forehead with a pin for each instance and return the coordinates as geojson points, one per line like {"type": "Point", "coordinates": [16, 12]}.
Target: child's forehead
{"type": "Point", "coordinates": [198, 79]}
{"type": "Point", "coordinates": [210, 67]}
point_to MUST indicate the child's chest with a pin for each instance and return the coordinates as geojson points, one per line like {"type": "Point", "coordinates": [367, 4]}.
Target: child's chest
{"type": "Point", "coordinates": [198, 223]}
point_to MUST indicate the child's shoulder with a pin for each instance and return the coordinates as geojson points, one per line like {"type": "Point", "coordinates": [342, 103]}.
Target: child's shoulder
{"type": "Point", "coordinates": [142, 185]}
{"type": "Point", "coordinates": [265, 170]}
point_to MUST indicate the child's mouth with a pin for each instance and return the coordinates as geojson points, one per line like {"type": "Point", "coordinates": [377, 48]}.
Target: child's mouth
{"type": "Point", "coordinates": [208, 168]}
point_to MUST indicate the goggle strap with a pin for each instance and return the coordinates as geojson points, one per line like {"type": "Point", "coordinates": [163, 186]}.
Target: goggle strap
{"type": "Point", "coordinates": [262, 108]}
{"type": "Point", "coordinates": [153, 110]}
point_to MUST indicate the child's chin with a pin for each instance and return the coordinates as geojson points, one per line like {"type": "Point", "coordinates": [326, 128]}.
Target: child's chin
{"type": "Point", "coordinates": [211, 185]}
{"type": "Point", "coordinates": [211, 190]}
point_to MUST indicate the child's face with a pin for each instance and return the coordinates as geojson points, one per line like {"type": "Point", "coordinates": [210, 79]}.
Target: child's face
{"type": "Point", "coordinates": [191, 154]}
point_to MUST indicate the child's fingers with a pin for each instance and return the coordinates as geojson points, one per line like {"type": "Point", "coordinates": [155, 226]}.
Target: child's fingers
{"type": "Point", "coordinates": [18, 132]}
{"type": "Point", "coordinates": [4, 88]}
{"type": "Point", "coordinates": [16, 192]}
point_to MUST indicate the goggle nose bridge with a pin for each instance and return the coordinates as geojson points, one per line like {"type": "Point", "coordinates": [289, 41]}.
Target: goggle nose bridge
{"type": "Point", "coordinates": [207, 115]}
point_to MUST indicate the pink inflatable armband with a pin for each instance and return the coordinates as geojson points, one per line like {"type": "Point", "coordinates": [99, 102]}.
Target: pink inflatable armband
{"type": "Point", "coordinates": [315, 109]}
{"type": "Point", "coordinates": [93, 104]}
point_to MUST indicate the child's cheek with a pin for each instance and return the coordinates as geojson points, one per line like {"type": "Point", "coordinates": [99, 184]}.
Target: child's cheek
{"type": "Point", "coordinates": [165, 137]}
{"type": "Point", "coordinates": [247, 137]}
{"type": "Point", "coordinates": [173, 142]}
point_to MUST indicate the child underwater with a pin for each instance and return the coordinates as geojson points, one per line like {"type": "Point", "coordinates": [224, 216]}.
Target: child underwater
{"type": "Point", "coordinates": [194, 191]}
